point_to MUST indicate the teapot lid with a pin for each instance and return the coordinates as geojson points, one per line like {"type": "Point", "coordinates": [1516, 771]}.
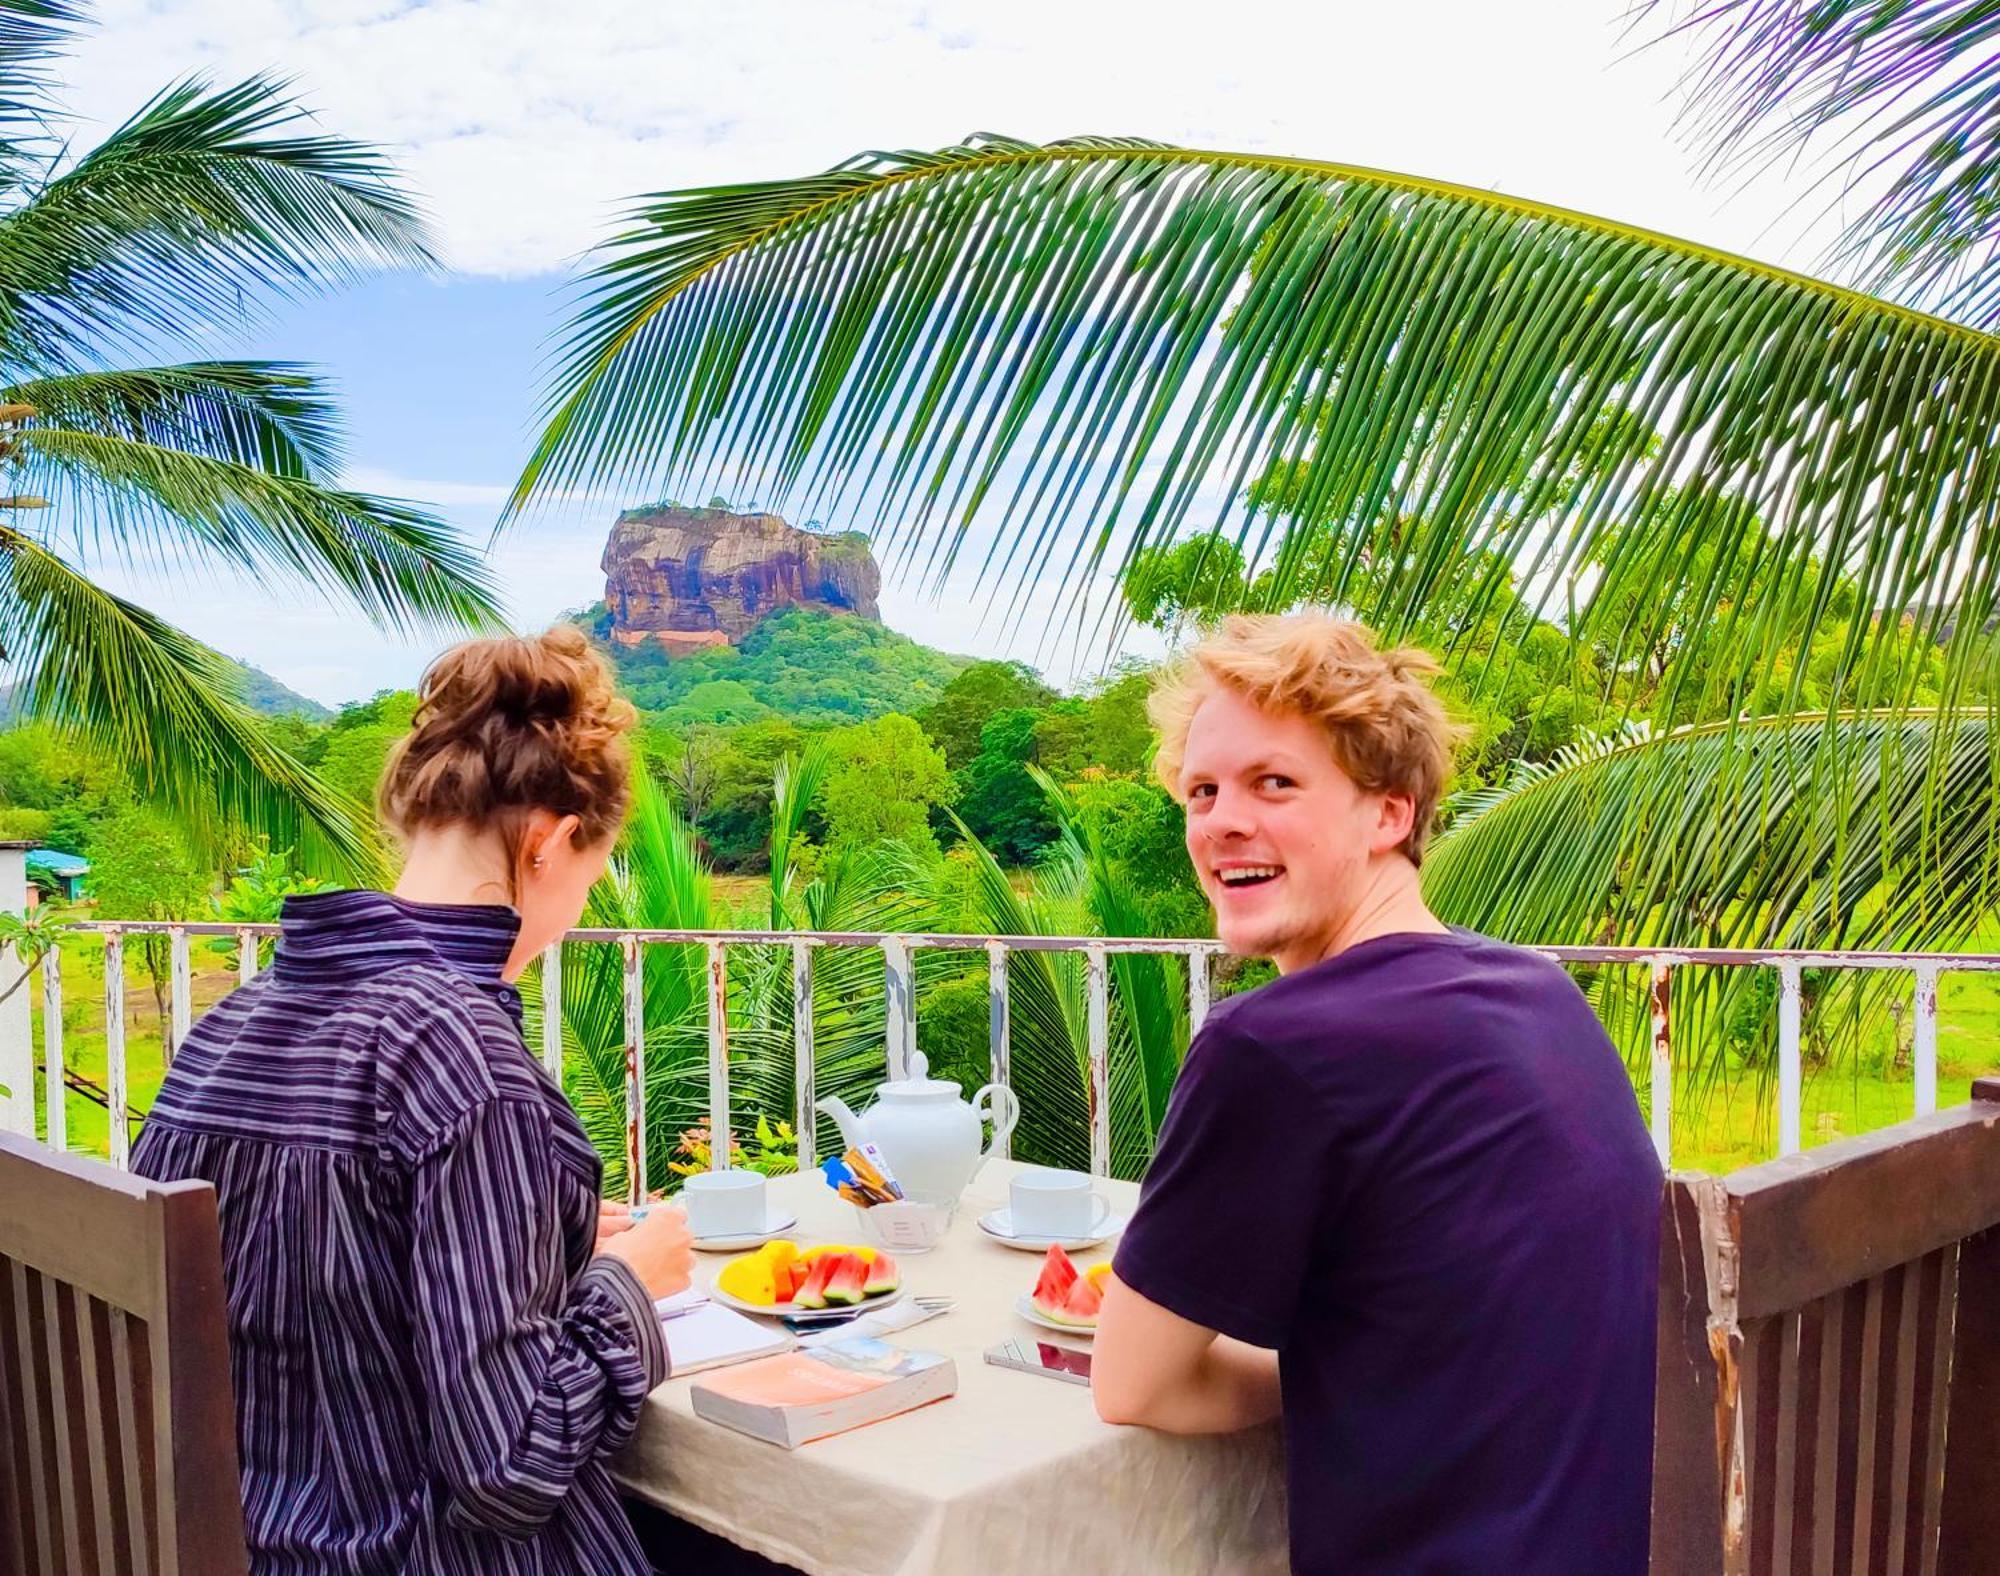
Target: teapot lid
{"type": "Point", "coordinates": [920, 1082]}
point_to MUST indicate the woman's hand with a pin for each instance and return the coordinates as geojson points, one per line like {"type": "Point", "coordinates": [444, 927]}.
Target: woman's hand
{"type": "Point", "coordinates": [658, 1246]}
{"type": "Point", "coordinates": [613, 1216]}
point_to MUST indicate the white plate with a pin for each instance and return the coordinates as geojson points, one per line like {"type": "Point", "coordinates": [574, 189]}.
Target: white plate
{"type": "Point", "coordinates": [776, 1223]}
{"type": "Point", "coordinates": [1024, 1305]}
{"type": "Point", "coordinates": [777, 1310]}
{"type": "Point", "coordinates": [999, 1225]}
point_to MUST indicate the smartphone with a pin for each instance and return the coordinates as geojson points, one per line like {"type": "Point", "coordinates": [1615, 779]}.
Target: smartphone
{"type": "Point", "coordinates": [1042, 1357]}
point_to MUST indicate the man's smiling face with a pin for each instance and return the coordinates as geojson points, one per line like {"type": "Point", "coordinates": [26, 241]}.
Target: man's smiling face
{"type": "Point", "coordinates": [1281, 838]}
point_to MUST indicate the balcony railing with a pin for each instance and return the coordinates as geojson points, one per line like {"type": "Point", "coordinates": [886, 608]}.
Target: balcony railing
{"type": "Point", "coordinates": [1660, 969]}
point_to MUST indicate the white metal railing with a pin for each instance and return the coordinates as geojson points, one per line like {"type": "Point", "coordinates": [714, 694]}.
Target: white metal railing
{"type": "Point", "coordinates": [899, 979]}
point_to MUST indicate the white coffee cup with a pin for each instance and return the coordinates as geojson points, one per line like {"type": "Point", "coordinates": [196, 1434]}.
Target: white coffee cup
{"type": "Point", "coordinates": [1045, 1203]}
{"type": "Point", "coordinates": [724, 1203]}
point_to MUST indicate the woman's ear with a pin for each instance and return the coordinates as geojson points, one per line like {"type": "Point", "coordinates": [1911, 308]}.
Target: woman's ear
{"type": "Point", "coordinates": [547, 837]}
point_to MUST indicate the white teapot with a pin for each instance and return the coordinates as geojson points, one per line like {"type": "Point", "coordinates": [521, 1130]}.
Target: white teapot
{"type": "Point", "coordinates": [926, 1131]}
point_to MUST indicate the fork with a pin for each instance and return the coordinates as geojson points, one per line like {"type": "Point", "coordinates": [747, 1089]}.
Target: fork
{"type": "Point", "coordinates": [817, 1317]}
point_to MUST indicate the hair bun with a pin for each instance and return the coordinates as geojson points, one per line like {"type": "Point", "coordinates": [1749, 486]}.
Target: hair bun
{"type": "Point", "coordinates": [547, 679]}
{"type": "Point", "coordinates": [511, 725]}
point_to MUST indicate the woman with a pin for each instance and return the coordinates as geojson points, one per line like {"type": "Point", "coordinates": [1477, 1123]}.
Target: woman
{"type": "Point", "coordinates": [430, 1363]}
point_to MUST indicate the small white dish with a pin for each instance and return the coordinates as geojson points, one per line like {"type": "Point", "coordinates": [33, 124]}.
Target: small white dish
{"type": "Point", "coordinates": [1024, 1305]}
{"type": "Point", "coordinates": [999, 1225]}
{"type": "Point", "coordinates": [778, 1310]}
{"type": "Point", "coordinates": [776, 1222]}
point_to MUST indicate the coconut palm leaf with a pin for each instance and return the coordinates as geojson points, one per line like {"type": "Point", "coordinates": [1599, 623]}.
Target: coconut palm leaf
{"type": "Point", "coordinates": [201, 203]}
{"type": "Point", "coordinates": [161, 704]}
{"type": "Point", "coordinates": [1668, 839]}
{"type": "Point", "coordinates": [1094, 343]}
{"type": "Point", "coordinates": [1910, 93]}
{"type": "Point", "coordinates": [1047, 1014]}
{"type": "Point", "coordinates": [796, 785]}
{"type": "Point", "coordinates": [1713, 837]}
{"type": "Point", "coordinates": [173, 226]}
{"type": "Point", "coordinates": [1151, 990]}
{"type": "Point", "coordinates": [657, 881]}
{"type": "Point", "coordinates": [269, 414]}
{"type": "Point", "coordinates": [399, 564]}
{"type": "Point", "coordinates": [32, 32]}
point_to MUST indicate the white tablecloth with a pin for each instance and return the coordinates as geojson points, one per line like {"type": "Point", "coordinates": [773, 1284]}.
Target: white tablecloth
{"type": "Point", "coordinates": [1014, 1473]}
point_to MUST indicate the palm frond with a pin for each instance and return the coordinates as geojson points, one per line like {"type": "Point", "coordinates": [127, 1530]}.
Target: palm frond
{"type": "Point", "coordinates": [32, 32]}
{"type": "Point", "coordinates": [268, 415]}
{"type": "Point", "coordinates": [1108, 341]}
{"type": "Point", "coordinates": [203, 200]}
{"type": "Point", "coordinates": [1720, 836]}
{"type": "Point", "coordinates": [1910, 93]}
{"type": "Point", "coordinates": [401, 565]}
{"type": "Point", "coordinates": [163, 706]}
{"type": "Point", "coordinates": [657, 880]}
{"type": "Point", "coordinates": [796, 785]}
{"type": "Point", "coordinates": [1151, 990]}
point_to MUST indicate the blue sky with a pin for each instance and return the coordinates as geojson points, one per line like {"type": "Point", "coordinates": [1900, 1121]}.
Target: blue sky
{"type": "Point", "coordinates": [524, 126]}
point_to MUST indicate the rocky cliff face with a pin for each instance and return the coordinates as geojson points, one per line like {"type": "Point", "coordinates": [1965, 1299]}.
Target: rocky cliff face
{"type": "Point", "coordinates": [686, 578]}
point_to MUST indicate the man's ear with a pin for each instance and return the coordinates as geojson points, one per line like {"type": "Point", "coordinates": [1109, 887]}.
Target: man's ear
{"type": "Point", "coordinates": [1397, 814]}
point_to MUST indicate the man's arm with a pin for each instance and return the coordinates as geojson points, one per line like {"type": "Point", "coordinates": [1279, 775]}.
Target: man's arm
{"type": "Point", "coordinates": [1152, 1367]}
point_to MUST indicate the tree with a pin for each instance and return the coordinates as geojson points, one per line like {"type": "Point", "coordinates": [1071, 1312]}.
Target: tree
{"type": "Point", "coordinates": [957, 719]}
{"type": "Point", "coordinates": [141, 868]}
{"type": "Point", "coordinates": [359, 740]}
{"type": "Point", "coordinates": [882, 782]}
{"type": "Point", "coordinates": [202, 203]}
{"type": "Point", "coordinates": [998, 798]}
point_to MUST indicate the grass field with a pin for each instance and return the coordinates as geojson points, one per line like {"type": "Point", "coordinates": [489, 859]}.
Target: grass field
{"type": "Point", "coordinates": [1718, 1130]}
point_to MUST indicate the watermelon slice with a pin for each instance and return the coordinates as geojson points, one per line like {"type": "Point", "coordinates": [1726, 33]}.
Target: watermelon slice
{"type": "Point", "coordinates": [847, 1283]}
{"type": "Point", "coordinates": [1058, 1277]}
{"type": "Point", "coordinates": [882, 1277]}
{"type": "Point", "coordinates": [813, 1293]}
{"type": "Point", "coordinates": [1064, 1296]}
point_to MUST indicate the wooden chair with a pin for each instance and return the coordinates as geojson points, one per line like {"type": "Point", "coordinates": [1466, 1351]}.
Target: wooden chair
{"type": "Point", "coordinates": [117, 1430]}
{"type": "Point", "coordinates": [1829, 1359]}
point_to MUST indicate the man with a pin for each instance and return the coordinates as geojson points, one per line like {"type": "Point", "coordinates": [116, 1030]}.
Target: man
{"type": "Point", "coordinates": [1403, 1194]}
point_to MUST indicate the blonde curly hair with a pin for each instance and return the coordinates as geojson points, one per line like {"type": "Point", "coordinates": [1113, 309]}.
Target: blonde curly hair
{"type": "Point", "coordinates": [1384, 726]}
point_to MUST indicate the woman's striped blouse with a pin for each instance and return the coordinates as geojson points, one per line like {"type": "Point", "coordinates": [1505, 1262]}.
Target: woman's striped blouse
{"type": "Point", "coordinates": [430, 1366]}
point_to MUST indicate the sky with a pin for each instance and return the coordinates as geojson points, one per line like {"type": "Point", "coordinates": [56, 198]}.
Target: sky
{"type": "Point", "coordinates": [525, 128]}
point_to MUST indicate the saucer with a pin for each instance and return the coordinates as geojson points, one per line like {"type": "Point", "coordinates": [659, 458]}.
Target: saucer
{"type": "Point", "coordinates": [775, 1221]}
{"type": "Point", "coordinates": [999, 1225]}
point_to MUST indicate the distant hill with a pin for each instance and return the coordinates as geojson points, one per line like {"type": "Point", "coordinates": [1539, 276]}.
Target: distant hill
{"type": "Point", "coordinates": [262, 693]}
{"type": "Point", "coordinates": [255, 688]}
{"type": "Point", "coordinates": [803, 664]}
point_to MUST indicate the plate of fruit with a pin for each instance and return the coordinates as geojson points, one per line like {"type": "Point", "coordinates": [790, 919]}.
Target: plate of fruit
{"type": "Point", "coordinates": [783, 1278]}
{"type": "Point", "coordinates": [1065, 1298]}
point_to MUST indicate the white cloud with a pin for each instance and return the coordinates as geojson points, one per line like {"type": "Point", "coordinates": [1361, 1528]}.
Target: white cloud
{"type": "Point", "coordinates": [528, 125]}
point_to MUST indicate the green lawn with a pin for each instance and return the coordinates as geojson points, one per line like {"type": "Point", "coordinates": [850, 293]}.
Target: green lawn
{"type": "Point", "coordinates": [1718, 1131]}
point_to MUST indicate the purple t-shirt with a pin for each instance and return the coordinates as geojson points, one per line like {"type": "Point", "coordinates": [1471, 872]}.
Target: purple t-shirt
{"type": "Point", "coordinates": [1418, 1171]}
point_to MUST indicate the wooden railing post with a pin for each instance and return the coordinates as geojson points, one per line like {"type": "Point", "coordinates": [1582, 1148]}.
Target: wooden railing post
{"type": "Point", "coordinates": [1969, 1520]}
{"type": "Point", "coordinates": [1828, 1370]}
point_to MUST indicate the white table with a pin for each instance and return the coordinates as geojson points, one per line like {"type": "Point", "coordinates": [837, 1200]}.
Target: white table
{"type": "Point", "coordinates": [1014, 1473]}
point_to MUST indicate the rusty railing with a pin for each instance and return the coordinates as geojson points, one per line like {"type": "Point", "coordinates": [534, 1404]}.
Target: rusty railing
{"type": "Point", "coordinates": [1924, 970]}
